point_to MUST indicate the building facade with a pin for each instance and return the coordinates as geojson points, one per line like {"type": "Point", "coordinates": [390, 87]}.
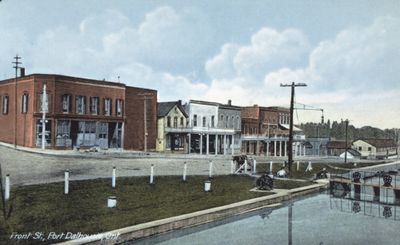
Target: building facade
{"type": "Point", "coordinates": [79, 113]}
{"type": "Point", "coordinates": [172, 127]}
{"type": "Point", "coordinates": [375, 148]}
{"type": "Point", "coordinates": [214, 128]}
{"type": "Point", "coordinates": [265, 131]}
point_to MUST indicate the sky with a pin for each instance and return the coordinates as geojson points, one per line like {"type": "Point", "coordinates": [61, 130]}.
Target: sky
{"type": "Point", "coordinates": [347, 52]}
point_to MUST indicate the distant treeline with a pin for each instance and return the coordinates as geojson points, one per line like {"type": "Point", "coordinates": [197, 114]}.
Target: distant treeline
{"type": "Point", "coordinates": [337, 130]}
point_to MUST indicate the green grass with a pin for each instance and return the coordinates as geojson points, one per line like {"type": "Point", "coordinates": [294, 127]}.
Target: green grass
{"type": "Point", "coordinates": [45, 208]}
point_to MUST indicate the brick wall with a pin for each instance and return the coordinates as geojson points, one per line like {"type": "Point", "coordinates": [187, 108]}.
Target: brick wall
{"type": "Point", "coordinates": [134, 124]}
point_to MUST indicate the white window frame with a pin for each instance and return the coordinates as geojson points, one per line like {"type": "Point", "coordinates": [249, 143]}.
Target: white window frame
{"type": "Point", "coordinates": [80, 104]}
{"type": "Point", "coordinates": [5, 101]}
{"type": "Point", "coordinates": [107, 106]}
{"type": "Point", "coordinates": [24, 103]}
{"type": "Point", "coordinates": [66, 103]}
{"type": "Point", "coordinates": [94, 105]}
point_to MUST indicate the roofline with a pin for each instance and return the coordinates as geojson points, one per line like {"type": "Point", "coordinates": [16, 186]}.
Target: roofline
{"type": "Point", "coordinates": [60, 76]}
{"type": "Point", "coordinates": [226, 106]}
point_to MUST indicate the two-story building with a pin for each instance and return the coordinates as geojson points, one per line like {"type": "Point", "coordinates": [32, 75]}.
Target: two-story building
{"type": "Point", "coordinates": [172, 130]}
{"type": "Point", "coordinates": [214, 127]}
{"type": "Point", "coordinates": [265, 131]}
{"type": "Point", "coordinates": [79, 112]}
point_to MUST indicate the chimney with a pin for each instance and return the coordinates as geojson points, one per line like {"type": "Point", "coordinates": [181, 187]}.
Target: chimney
{"type": "Point", "coordinates": [229, 102]}
{"type": "Point", "coordinates": [22, 71]}
{"type": "Point", "coordinates": [180, 102]}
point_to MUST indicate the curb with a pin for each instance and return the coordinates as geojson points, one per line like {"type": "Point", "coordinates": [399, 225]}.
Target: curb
{"type": "Point", "coordinates": [152, 228]}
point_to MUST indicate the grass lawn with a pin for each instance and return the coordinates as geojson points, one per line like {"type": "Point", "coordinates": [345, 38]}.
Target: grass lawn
{"type": "Point", "coordinates": [44, 208]}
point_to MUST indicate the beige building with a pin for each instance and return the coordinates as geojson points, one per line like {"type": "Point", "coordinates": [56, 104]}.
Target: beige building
{"type": "Point", "coordinates": [172, 127]}
{"type": "Point", "coordinates": [375, 148]}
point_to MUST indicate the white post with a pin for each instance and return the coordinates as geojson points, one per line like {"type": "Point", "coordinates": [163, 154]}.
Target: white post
{"type": "Point", "coordinates": [113, 178]}
{"type": "Point", "coordinates": [232, 167]}
{"type": "Point", "coordinates": [208, 144]}
{"type": "Point", "coordinates": [216, 144]}
{"type": "Point", "coordinates": [7, 191]}
{"type": "Point", "coordinates": [270, 166]}
{"type": "Point", "coordinates": [298, 165]}
{"type": "Point", "coordinates": [44, 110]}
{"type": "Point", "coordinates": [304, 150]}
{"type": "Point", "coordinates": [112, 201]}
{"type": "Point", "coordinates": [224, 144]}
{"type": "Point", "coordinates": [280, 148]}
{"type": "Point", "coordinates": [66, 182]}
{"type": "Point", "coordinates": [285, 153]}
{"type": "Point", "coordinates": [233, 144]}
{"type": "Point", "coordinates": [201, 144]}
{"type": "Point", "coordinates": [275, 148]}
{"type": "Point", "coordinates": [152, 174]}
{"type": "Point", "coordinates": [245, 166]}
{"type": "Point", "coordinates": [190, 143]}
{"type": "Point", "coordinates": [254, 166]}
{"type": "Point", "coordinates": [184, 171]}
{"type": "Point", "coordinates": [267, 149]}
{"type": "Point", "coordinates": [207, 185]}
{"type": "Point", "coordinates": [210, 169]}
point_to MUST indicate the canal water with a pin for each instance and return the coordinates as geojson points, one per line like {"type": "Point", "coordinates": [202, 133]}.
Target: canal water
{"type": "Point", "coordinates": [318, 219]}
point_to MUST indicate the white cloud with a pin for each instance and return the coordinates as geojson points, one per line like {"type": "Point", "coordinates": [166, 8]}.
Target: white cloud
{"type": "Point", "coordinates": [359, 60]}
{"type": "Point", "coordinates": [170, 87]}
{"type": "Point", "coordinates": [221, 66]}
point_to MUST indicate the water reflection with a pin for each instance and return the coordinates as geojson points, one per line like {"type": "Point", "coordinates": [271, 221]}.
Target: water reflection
{"type": "Point", "coordinates": [320, 219]}
{"type": "Point", "coordinates": [374, 194]}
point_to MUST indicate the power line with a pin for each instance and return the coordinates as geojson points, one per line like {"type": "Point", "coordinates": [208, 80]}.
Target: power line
{"type": "Point", "coordinates": [290, 148]}
{"type": "Point", "coordinates": [16, 66]}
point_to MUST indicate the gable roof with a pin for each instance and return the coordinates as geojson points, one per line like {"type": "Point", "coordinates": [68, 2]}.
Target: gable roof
{"type": "Point", "coordinates": [337, 144]}
{"type": "Point", "coordinates": [165, 107]}
{"type": "Point", "coordinates": [380, 143]}
{"type": "Point", "coordinates": [354, 152]}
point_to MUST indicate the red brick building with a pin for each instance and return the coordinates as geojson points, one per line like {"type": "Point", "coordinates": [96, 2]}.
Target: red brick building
{"type": "Point", "coordinates": [81, 112]}
{"type": "Point", "coordinates": [265, 130]}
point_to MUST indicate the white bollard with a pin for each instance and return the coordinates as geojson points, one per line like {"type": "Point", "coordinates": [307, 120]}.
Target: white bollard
{"type": "Point", "coordinates": [207, 185]}
{"type": "Point", "coordinates": [184, 171]}
{"type": "Point", "coordinates": [254, 166]}
{"type": "Point", "coordinates": [66, 182]}
{"type": "Point", "coordinates": [112, 201]}
{"type": "Point", "coordinates": [210, 169]}
{"type": "Point", "coordinates": [298, 165]}
{"type": "Point", "coordinates": [245, 166]}
{"type": "Point", "coordinates": [7, 191]}
{"type": "Point", "coordinates": [232, 167]}
{"type": "Point", "coordinates": [113, 180]}
{"type": "Point", "coordinates": [270, 166]}
{"type": "Point", "coordinates": [152, 174]}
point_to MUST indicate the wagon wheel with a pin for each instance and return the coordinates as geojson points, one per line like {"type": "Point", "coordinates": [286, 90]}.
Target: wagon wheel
{"type": "Point", "coordinates": [264, 183]}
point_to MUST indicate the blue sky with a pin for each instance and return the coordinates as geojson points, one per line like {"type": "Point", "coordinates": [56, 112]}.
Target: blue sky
{"type": "Point", "coordinates": [348, 52]}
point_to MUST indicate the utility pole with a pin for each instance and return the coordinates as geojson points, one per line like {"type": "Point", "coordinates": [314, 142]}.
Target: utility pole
{"type": "Point", "coordinates": [290, 148]}
{"type": "Point", "coordinates": [345, 153]}
{"type": "Point", "coordinates": [16, 66]}
{"type": "Point", "coordinates": [146, 96]}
